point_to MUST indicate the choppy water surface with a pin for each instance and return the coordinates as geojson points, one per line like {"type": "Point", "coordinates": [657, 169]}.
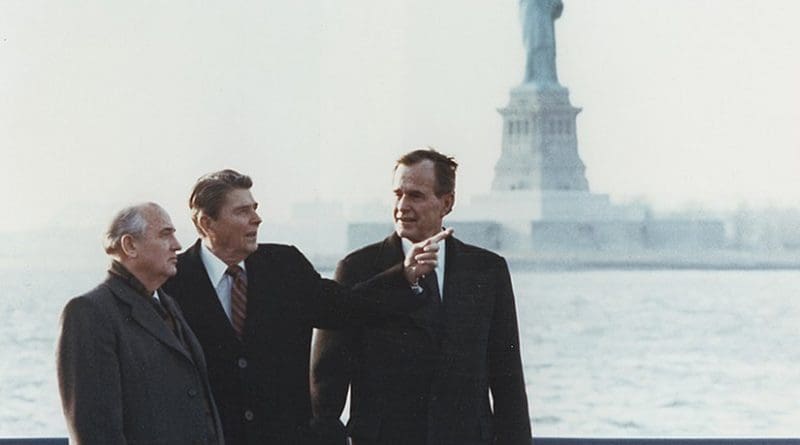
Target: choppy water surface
{"type": "Point", "coordinates": [662, 353]}
{"type": "Point", "coordinates": [607, 353]}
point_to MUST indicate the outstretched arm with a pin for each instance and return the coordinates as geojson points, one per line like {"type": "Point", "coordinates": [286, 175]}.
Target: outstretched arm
{"type": "Point", "coordinates": [366, 299]}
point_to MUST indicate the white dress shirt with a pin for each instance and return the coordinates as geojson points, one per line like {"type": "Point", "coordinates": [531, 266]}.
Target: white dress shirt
{"type": "Point", "coordinates": [222, 282]}
{"type": "Point", "coordinates": [439, 263]}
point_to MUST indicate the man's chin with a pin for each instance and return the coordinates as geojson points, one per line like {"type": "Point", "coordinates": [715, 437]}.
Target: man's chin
{"type": "Point", "coordinates": [408, 234]}
{"type": "Point", "coordinates": [401, 232]}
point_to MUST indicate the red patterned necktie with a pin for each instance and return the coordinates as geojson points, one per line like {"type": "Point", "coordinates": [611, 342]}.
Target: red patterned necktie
{"type": "Point", "coordinates": [238, 298]}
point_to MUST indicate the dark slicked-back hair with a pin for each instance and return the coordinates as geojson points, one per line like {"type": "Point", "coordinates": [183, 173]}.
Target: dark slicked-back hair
{"type": "Point", "coordinates": [209, 192]}
{"type": "Point", "coordinates": [444, 166]}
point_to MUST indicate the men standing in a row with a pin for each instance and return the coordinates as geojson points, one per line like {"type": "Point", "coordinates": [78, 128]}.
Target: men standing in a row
{"type": "Point", "coordinates": [253, 307]}
{"type": "Point", "coordinates": [426, 378]}
{"type": "Point", "coordinates": [130, 371]}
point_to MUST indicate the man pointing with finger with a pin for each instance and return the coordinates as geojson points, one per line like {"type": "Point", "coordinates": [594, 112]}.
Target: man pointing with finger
{"type": "Point", "coordinates": [253, 307]}
{"type": "Point", "coordinates": [426, 378]}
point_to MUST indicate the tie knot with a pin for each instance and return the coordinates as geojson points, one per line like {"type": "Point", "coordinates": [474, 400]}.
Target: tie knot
{"type": "Point", "coordinates": [235, 271]}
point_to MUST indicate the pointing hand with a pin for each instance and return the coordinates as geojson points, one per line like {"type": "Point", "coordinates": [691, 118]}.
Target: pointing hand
{"type": "Point", "coordinates": [423, 257]}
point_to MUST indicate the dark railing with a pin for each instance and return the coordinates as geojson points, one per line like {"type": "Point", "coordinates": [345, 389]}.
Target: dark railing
{"type": "Point", "coordinates": [38, 441]}
{"type": "Point", "coordinates": [549, 441]}
{"type": "Point", "coordinates": [663, 441]}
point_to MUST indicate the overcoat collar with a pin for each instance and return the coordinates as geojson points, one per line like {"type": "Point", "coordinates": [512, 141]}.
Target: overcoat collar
{"type": "Point", "coordinates": [143, 313]}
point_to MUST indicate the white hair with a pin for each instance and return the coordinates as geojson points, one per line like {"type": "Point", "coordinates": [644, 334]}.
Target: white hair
{"type": "Point", "coordinates": [129, 221]}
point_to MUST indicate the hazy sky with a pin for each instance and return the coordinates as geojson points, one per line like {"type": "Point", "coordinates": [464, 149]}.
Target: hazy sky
{"type": "Point", "coordinates": [106, 102]}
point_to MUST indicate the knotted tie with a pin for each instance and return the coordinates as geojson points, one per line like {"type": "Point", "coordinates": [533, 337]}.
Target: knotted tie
{"type": "Point", "coordinates": [435, 307]}
{"type": "Point", "coordinates": [431, 283]}
{"type": "Point", "coordinates": [162, 311]}
{"type": "Point", "coordinates": [238, 298]}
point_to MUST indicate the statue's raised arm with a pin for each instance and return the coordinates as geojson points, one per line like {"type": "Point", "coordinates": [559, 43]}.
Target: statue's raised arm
{"type": "Point", "coordinates": [538, 36]}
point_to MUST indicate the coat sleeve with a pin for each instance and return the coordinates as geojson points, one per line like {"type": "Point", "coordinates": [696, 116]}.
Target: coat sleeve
{"type": "Point", "coordinates": [506, 382]}
{"type": "Point", "coordinates": [89, 375]}
{"type": "Point", "coordinates": [331, 304]}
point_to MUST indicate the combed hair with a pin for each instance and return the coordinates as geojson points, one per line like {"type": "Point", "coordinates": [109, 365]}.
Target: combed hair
{"type": "Point", "coordinates": [444, 166]}
{"type": "Point", "coordinates": [128, 221]}
{"type": "Point", "coordinates": [209, 192]}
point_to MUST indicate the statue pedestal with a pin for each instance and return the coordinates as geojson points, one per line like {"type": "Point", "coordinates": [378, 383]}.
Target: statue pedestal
{"type": "Point", "coordinates": [539, 147]}
{"type": "Point", "coordinates": [539, 94]}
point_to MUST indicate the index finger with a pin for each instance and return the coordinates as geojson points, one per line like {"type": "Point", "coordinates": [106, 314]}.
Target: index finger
{"type": "Point", "coordinates": [440, 236]}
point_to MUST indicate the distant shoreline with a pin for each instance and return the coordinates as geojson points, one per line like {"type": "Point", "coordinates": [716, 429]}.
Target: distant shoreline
{"type": "Point", "coordinates": [657, 260]}
{"type": "Point", "coordinates": [641, 260]}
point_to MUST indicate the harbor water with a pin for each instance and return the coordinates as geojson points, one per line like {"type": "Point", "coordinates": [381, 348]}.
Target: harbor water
{"type": "Point", "coordinates": [606, 352]}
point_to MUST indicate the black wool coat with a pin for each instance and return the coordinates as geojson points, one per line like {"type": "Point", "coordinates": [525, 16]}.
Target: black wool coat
{"type": "Point", "coordinates": [426, 378]}
{"type": "Point", "coordinates": [261, 381]}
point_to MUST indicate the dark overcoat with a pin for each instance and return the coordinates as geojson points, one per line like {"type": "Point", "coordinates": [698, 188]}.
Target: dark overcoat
{"type": "Point", "coordinates": [126, 378]}
{"type": "Point", "coordinates": [426, 378]}
{"type": "Point", "coordinates": [260, 381]}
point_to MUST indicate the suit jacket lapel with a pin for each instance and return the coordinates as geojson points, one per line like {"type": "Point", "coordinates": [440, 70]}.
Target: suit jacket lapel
{"type": "Point", "coordinates": [390, 253]}
{"type": "Point", "coordinates": [145, 315]}
{"type": "Point", "coordinates": [458, 275]}
{"type": "Point", "coordinates": [464, 286]}
{"type": "Point", "coordinates": [189, 340]}
{"type": "Point", "coordinates": [262, 289]}
{"type": "Point", "coordinates": [202, 295]}
{"type": "Point", "coordinates": [461, 281]}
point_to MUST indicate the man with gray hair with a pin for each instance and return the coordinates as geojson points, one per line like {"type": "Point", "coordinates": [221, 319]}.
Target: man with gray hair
{"type": "Point", "coordinates": [129, 368]}
{"type": "Point", "coordinates": [427, 378]}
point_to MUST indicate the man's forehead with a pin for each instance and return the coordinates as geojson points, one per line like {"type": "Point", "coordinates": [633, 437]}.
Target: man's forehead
{"type": "Point", "coordinates": [239, 197]}
{"type": "Point", "coordinates": [158, 218]}
{"type": "Point", "coordinates": [419, 176]}
{"type": "Point", "coordinates": [167, 225]}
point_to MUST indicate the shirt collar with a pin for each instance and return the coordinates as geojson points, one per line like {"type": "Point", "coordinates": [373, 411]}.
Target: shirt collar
{"type": "Point", "coordinates": [215, 267]}
{"type": "Point", "coordinates": [440, 261]}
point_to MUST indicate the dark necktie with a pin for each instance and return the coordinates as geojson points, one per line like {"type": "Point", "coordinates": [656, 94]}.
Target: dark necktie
{"type": "Point", "coordinates": [162, 311]}
{"type": "Point", "coordinates": [431, 283]}
{"type": "Point", "coordinates": [435, 308]}
{"type": "Point", "coordinates": [238, 298]}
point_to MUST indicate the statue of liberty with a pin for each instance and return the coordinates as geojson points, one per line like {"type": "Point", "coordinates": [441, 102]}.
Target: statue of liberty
{"type": "Point", "coordinates": [538, 36]}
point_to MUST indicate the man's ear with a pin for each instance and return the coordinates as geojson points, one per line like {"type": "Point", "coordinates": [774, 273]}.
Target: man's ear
{"type": "Point", "coordinates": [204, 223]}
{"type": "Point", "coordinates": [128, 245]}
{"type": "Point", "coordinates": [449, 202]}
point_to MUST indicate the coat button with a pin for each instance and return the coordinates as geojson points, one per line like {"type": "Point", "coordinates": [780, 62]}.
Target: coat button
{"type": "Point", "coordinates": [248, 415]}
{"type": "Point", "coordinates": [192, 392]}
{"type": "Point", "coordinates": [242, 362]}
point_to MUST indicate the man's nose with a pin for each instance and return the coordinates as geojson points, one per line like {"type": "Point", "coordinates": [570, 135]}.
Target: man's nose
{"type": "Point", "coordinates": [401, 203]}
